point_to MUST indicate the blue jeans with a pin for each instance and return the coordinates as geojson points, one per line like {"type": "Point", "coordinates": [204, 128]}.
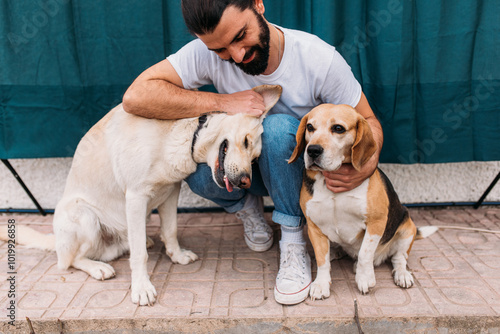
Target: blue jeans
{"type": "Point", "coordinates": [271, 175]}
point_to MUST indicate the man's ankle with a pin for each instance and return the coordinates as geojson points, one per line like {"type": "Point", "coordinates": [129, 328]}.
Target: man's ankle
{"type": "Point", "coordinates": [293, 235]}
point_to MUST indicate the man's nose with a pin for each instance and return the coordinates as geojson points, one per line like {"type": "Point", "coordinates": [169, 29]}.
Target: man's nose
{"type": "Point", "coordinates": [237, 53]}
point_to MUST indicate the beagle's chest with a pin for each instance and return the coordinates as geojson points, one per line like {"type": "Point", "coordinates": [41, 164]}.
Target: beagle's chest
{"type": "Point", "coordinates": [342, 216]}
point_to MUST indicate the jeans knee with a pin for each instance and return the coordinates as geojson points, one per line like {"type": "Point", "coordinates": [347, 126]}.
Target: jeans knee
{"type": "Point", "coordinates": [202, 184]}
{"type": "Point", "coordinates": [279, 135]}
{"type": "Point", "coordinates": [199, 180]}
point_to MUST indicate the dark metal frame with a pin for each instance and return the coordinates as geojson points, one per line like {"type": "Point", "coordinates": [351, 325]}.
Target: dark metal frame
{"type": "Point", "coordinates": [28, 192]}
{"type": "Point", "coordinates": [487, 191]}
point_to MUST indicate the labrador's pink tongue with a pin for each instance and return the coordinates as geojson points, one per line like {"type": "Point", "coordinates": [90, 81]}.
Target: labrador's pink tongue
{"type": "Point", "coordinates": [229, 186]}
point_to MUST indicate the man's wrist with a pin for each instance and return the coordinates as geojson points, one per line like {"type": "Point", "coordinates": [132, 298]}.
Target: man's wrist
{"type": "Point", "coordinates": [217, 103]}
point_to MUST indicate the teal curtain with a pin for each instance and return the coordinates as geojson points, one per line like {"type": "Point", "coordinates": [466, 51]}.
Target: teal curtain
{"type": "Point", "coordinates": [430, 69]}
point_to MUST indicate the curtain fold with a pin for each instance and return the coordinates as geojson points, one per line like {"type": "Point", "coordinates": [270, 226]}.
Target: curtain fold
{"type": "Point", "coordinates": [430, 70]}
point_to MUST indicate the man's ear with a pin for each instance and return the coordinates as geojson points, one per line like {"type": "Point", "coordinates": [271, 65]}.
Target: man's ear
{"type": "Point", "coordinates": [301, 140]}
{"type": "Point", "coordinates": [271, 95]}
{"type": "Point", "coordinates": [364, 146]}
{"type": "Point", "coordinates": [259, 7]}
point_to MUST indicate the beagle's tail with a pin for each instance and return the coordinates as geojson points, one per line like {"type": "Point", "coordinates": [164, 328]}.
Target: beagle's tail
{"type": "Point", "coordinates": [24, 235]}
{"type": "Point", "coordinates": [425, 231]}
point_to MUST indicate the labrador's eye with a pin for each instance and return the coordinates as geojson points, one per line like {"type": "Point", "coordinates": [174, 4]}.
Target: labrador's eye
{"type": "Point", "coordinates": [310, 128]}
{"type": "Point", "coordinates": [246, 142]}
{"type": "Point", "coordinates": [338, 128]}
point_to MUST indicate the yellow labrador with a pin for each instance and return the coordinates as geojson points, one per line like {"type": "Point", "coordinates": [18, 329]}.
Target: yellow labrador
{"type": "Point", "coordinates": [124, 167]}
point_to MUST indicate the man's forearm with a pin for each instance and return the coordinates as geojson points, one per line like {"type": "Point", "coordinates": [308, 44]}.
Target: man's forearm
{"type": "Point", "coordinates": [163, 100]}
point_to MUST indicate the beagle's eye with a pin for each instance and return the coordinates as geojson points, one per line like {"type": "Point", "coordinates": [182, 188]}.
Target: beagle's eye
{"type": "Point", "coordinates": [310, 128]}
{"type": "Point", "coordinates": [338, 128]}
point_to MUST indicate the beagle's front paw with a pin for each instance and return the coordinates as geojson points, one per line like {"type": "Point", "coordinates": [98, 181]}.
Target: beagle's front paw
{"type": "Point", "coordinates": [320, 289]}
{"type": "Point", "coordinates": [403, 278]}
{"type": "Point", "coordinates": [365, 278]}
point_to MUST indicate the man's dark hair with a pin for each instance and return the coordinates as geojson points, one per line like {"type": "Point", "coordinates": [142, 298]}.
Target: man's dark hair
{"type": "Point", "coordinates": [203, 16]}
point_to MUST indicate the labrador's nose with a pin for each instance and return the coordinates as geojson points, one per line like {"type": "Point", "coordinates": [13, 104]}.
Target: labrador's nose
{"type": "Point", "coordinates": [314, 151]}
{"type": "Point", "coordinates": [245, 181]}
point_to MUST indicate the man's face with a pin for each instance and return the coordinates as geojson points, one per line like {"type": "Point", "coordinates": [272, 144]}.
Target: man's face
{"type": "Point", "coordinates": [242, 38]}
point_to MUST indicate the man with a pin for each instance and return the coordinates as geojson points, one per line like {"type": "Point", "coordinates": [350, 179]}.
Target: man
{"type": "Point", "coordinates": [236, 50]}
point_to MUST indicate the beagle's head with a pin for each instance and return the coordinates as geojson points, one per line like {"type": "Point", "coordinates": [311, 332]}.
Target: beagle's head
{"type": "Point", "coordinates": [332, 135]}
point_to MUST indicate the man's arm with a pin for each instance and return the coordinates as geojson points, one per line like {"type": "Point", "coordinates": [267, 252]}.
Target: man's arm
{"type": "Point", "coordinates": [346, 177]}
{"type": "Point", "coordinates": [158, 93]}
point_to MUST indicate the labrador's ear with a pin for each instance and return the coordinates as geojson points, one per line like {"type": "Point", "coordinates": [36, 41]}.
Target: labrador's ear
{"type": "Point", "coordinates": [271, 95]}
{"type": "Point", "coordinates": [364, 145]}
{"type": "Point", "coordinates": [301, 140]}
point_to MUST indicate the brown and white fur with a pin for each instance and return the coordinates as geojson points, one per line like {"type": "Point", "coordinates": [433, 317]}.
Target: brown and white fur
{"type": "Point", "coordinates": [368, 222]}
{"type": "Point", "coordinates": [126, 166]}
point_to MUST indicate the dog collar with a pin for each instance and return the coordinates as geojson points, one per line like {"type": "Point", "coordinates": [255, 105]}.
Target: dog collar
{"type": "Point", "coordinates": [201, 121]}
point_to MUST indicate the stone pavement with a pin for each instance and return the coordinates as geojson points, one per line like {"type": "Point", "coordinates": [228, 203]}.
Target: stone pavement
{"type": "Point", "coordinates": [230, 289]}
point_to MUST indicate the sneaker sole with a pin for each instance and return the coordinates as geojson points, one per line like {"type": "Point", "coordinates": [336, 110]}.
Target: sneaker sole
{"type": "Point", "coordinates": [259, 247]}
{"type": "Point", "coordinates": [291, 298]}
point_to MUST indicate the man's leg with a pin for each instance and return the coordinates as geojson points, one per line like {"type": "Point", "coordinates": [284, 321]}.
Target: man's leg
{"type": "Point", "coordinates": [202, 184]}
{"type": "Point", "coordinates": [283, 182]}
{"type": "Point", "coordinates": [247, 204]}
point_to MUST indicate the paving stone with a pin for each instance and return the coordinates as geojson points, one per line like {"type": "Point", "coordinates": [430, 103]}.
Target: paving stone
{"type": "Point", "coordinates": [457, 274]}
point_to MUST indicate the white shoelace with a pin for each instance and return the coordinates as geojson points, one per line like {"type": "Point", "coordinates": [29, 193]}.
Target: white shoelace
{"type": "Point", "coordinates": [253, 221]}
{"type": "Point", "coordinates": [293, 265]}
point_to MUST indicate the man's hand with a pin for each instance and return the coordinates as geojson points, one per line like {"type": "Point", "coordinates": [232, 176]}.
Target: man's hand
{"type": "Point", "coordinates": [347, 178]}
{"type": "Point", "coordinates": [245, 102]}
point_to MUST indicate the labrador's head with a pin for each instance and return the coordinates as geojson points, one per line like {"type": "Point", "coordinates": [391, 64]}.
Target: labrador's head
{"type": "Point", "coordinates": [238, 143]}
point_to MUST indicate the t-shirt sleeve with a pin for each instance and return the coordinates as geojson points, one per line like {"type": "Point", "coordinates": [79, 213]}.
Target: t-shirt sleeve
{"type": "Point", "coordinates": [192, 64]}
{"type": "Point", "coordinates": [340, 86]}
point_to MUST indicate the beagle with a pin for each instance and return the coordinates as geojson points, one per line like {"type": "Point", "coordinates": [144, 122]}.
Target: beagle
{"type": "Point", "coordinates": [368, 222]}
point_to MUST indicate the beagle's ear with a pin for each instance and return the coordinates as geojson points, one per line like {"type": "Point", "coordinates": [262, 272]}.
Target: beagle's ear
{"type": "Point", "coordinates": [301, 140]}
{"type": "Point", "coordinates": [364, 146]}
{"type": "Point", "coordinates": [271, 95]}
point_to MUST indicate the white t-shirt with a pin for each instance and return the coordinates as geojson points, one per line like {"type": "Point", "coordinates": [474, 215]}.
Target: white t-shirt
{"type": "Point", "coordinates": [311, 72]}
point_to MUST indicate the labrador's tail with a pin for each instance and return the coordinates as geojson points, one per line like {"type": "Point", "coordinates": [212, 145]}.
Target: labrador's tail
{"type": "Point", "coordinates": [24, 235]}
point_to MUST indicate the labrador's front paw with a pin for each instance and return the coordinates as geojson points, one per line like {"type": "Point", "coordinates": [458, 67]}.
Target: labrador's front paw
{"type": "Point", "coordinates": [183, 256]}
{"type": "Point", "coordinates": [143, 292]}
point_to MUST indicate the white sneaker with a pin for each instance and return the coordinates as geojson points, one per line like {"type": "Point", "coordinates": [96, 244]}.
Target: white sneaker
{"type": "Point", "coordinates": [258, 233]}
{"type": "Point", "coordinates": [294, 277]}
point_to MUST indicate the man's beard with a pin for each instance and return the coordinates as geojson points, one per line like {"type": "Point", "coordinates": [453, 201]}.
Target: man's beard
{"type": "Point", "coordinates": [259, 64]}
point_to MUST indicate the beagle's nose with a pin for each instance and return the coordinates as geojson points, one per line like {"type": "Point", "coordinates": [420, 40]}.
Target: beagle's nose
{"type": "Point", "coordinates": [314, 151]}
{"type": "Point", "coordinates": [245, 182]}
